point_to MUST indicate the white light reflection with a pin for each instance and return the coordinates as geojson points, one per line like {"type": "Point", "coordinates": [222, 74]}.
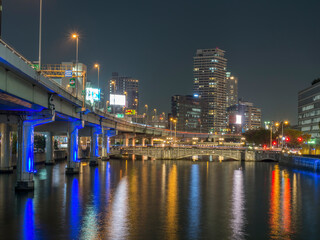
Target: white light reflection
{"type": "Point", "coordinates": [118, 220]}
{"type": "Point", "coordinates": [194, 203]}
{"type": "Point", "coordinates": [238, 206]}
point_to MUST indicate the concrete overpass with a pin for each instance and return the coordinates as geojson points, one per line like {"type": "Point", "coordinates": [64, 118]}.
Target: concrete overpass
{"type": "Point", "coordinates": [31, 102]}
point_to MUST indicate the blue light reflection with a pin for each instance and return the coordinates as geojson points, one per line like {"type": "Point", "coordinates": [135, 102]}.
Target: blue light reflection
{"type": "Point", "coordinates": [194, 203]}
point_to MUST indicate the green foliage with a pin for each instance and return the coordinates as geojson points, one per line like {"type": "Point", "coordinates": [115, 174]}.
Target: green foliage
{"type": "Point", "coordinates": [39, 141]}
{"type": "Point", "coordinates": [293, 136]}
{"type": "Point", "coordinates": [261, 136]}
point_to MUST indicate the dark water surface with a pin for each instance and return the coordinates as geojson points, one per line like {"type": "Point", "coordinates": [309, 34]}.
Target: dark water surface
{"type": "Point", "coordinates": [124, 199]}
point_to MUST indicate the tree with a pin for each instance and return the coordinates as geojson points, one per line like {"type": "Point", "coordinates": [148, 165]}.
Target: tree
{"type": "Point", "coordinates": [295, 137]}
{"type": "Point", "coordinates": [261, 136]}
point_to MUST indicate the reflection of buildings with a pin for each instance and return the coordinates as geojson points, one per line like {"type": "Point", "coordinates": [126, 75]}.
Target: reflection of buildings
{"type": "Point", "coordinates": [125, 86]}
{"type": "Point", "coordinates": [280, 205]}
{"type": "Point", "coordinates": [244, 116]}
{"type": "Point", "coordinates": [210, 84]}
{"type": "Point", "coordinates": [232, 89]}
{"type": "Point", "coordinates": [188, 111]}
{"type": "Point", "coordinates": [238, 206]}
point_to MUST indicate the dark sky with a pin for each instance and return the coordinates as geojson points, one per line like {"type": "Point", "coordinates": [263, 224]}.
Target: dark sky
{"type": "Point", "coordinates": [272, 46]}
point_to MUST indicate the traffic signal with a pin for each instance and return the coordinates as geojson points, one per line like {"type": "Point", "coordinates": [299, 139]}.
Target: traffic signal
{"type": "Point", "coordinates": [300, 139]}
{"type": "Point", "coordinates": [287, 139]}
{"type": "Point", "coordinates": [274, 143]}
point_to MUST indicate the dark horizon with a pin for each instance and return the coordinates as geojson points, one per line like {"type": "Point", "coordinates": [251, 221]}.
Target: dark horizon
{"type": "Point", "coordinates": [272, 47]}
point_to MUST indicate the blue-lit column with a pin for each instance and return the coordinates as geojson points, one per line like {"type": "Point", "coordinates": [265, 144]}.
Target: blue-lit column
{"type": "Point", "coordinates": [49, 148]}
{"type": "Point", "coordinates": [73, 165]}
{"type": "Point", "coordinates": [6, 149]}
{"type": "Point", "coordinates": [25, 162]}
{"type": "Point", "coordinates": [94, 154]}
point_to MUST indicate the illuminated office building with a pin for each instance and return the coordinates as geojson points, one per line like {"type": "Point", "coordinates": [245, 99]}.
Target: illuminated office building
{"type": "Point", "coordinates": [232, 89]}
{"type": "Point", "coordinates": [210, 85]}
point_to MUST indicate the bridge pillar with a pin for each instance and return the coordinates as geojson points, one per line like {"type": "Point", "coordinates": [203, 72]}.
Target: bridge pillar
{"type": "Point", "coordinates": [94, 154]}
{"type": "Point", "coordinates": [133, 142]}
{"type": "Point", "coordinates": [126, 141]}
{"type": "Point", "coordinates": [49, 148]}
{"type": "Point", "coordinates": [105, 146]}
{"type": "Point", "coordinates": [6, 149]}
{"type": "Point", "coordinates": [73, 165]}
{"type": "Point", "coordinates": [151, 142]}
{"type": "Point", "coordinates": [143, 142]}
{"type": "Point", "coordinates": [25, 162]}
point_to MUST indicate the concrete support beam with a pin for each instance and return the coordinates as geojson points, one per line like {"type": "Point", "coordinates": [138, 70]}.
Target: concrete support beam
{"type": "Point", "coordinates": [133, 142]}
{"type": "Point", "coordinates": [126, 141]}
{"type": "Point", "coordinates": [94, 154]}
{"type": "Point", "coordinates": [6, 149]}
{"type": "Point", "coordinates": [105, 146]}
{"type": "Point", "coordinates": [143, 142]}
{"type": "Point", "coordinates": [73, 165]}
{"type": "Point", "coordinates": [49, 148]}
{"type": "Point", "coordinates": [151, 142]}
{"type": "Point", "coordinates": [25, 162]}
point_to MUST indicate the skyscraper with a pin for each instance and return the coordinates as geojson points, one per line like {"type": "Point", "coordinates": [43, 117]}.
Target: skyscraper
{"type": "Point", "coordinates": [210, 85]}
{"type": "Point", "coordinates": [126, 86]}
{"type": "Point", "coordinates": [232, 89]}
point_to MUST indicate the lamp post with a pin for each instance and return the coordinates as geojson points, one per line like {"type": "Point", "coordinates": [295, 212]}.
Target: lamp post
{"type": "Point", "coordinates": [146, 107]}
{"type": "Point", "coordinates": [175, 131]}
{"type": "Point", "coordinates": [97, 66]}
{"type": "Point", "coordinates": [171, 119]}
{"type": "Point", "coordinates": [286, 123]}
{"type": "Point", "coordinates": [136, 103]}
{"type": "Point", "coordinates": [76, 36]}
{"type": "Point", "coordinates": [40, 34]}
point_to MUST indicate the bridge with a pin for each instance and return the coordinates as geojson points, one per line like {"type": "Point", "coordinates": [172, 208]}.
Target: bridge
{"type": "Point", "coordinates": [169, 153]}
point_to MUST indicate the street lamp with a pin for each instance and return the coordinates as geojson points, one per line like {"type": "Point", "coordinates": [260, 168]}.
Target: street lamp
{"type": "Point", "coordinates": [40, 35]}
{"type": "Point", "coordinates": [146, 107]}
{"type": "Point", "coordinates": [136, 103]}
{"type": "Point", "coordinates": [98, 67]}
{"type": "Point", "coordinates": [175, 131]}
{"type": "Point", "coordinates": [286, 123]}
{"type": "Point", "coordinates": [76, 36]}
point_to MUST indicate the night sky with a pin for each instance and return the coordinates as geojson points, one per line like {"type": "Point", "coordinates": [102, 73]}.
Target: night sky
{"type": "Point", "coordinates": [273, 46]}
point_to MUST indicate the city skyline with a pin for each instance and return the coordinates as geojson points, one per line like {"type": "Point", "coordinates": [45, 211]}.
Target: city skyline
{"type": "Point", "coordinates": [137, 47]}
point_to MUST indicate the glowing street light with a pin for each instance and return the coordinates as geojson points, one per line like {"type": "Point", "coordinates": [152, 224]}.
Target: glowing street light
{"type": "Point", "coordinates": [98, 67]}
{"type": "Point", "coordinates": [76, 37]}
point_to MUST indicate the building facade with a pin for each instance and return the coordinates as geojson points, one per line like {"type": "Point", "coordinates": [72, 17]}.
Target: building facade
{"type": "Point", "coordinates": [309, 110]}
{"type": "Point", "coordinates": [243, 117]}
{"type": "Point", "coordinates": [210, 85]}
{"type": "Point", "coordinates": [125, 86]}
{"type": "Point", "coordinates": [232, 89]}
{"type": "Point", "coordinates": [188, 110]}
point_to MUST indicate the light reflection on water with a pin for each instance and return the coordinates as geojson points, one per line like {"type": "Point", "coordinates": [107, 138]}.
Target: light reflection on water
{"type": "Point", "coordinates": [165, 200]}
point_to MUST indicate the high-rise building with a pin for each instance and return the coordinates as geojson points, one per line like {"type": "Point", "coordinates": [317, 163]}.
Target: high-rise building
{"type": "Point", "coordinates": [188, 112]}
{"type": "Point", "coordinates": [232, 89]}
{"type": "Point", "coordinates": [309, 109]}
{"type": "Point", "coordinates": [210, 85]}
{"type": "Point", "coordinates": [125, 86]}
{"type": "Point", "coordinates": [243, 116]}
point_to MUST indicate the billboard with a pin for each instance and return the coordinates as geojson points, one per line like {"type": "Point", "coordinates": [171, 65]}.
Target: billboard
{"type": "Point", "coordinates": [235, 119]}
{"type": "Point", "coordinates": [118, 100]}
{"type": "Point", "coordinates": [92, 94]}
{"type": "Point", "coordinates": [130, 112]}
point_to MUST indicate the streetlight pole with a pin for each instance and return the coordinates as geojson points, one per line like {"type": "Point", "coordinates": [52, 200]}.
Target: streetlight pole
{"type": "Point", "coordinates": [40, 35]}
{"type": "Point", "coordinates": [175, 131]}
{"type": "Point", "coordinates": [76, 36]}
{"type": "Point", "coordinates": [98, 67]}
{"type": "Point", "coordinates": [146, 106]}
{"type": "Point", "coordinates": [285, 122]}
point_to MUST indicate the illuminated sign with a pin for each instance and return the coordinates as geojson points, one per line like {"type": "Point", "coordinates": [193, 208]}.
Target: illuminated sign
{"type": "Point", "coordinates": [119, 100]}
{"type": "Point", "coordinates": [238, 119]}
{"type": "Point", "coordinates": [93, 94]}
{"type": "Point", "coordinates": [312, 141]}
{"type": "Point", "coordinates": [68, 73]}
{"type": "Point", "coordinates": [120, 115]}
{"type": "Point", "coordinates": [130, 112]}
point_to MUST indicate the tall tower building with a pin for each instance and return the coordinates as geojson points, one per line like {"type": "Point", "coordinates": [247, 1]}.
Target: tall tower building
{"type": "Point", "coordinates": [232, 89]}
{"type": "Point", "coordinates": [210, 85]}
{"type": "Point", "coordinates": [126, 86]}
